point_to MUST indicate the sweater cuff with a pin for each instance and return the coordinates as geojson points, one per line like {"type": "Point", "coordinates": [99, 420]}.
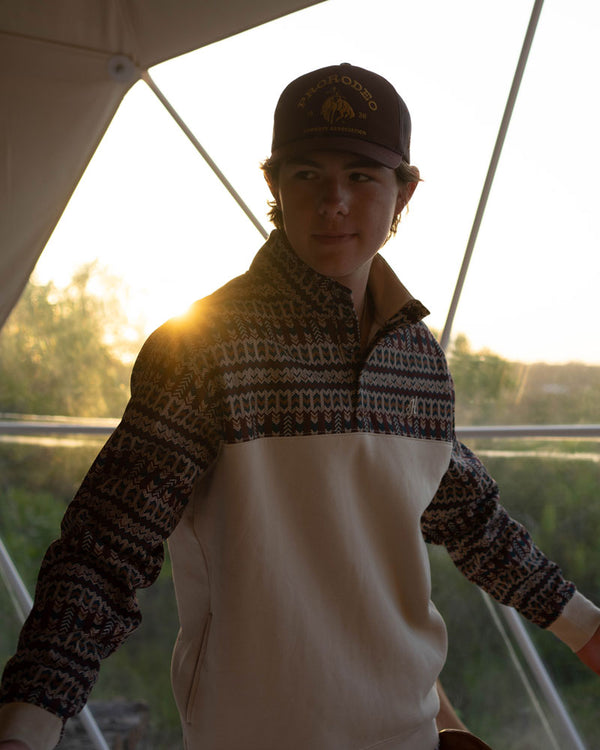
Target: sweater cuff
{"type": "Point", "coordinates": [578, 622]}
{"type": "Point", "coordinates": [36, 727]}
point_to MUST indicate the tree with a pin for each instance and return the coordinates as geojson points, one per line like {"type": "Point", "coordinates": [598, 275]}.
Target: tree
{"type": "Point", "coordinates": [483, 380]}
{"type": "Point", "coordinates": [55, 355]}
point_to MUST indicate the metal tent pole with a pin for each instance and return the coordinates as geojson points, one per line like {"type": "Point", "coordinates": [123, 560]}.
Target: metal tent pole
{"type": "Point", "coordinates": [510, 616]}
{"type": "Point", "coordinates": [203, 153]}
{"type": "Point", "coordinates": [539, 671]}
{"type": "Point", "coordinates": [542, 677]}
{"type": "Point", "coordinates": [520, 670]}
{"type": "Point", "coordinates": [510, 104]}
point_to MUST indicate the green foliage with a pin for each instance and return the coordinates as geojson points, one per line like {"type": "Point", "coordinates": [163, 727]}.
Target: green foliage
{"type": "Point", "coordinates": [492, 390]}
{"type": "Point", "coordinates": [556, 498]}
{"type": "Point", "coordinates": [482, 380]}
{"type": "Point", "coordinates": [556, 394]}
{"type": "Point", "coordinates": [55, 355]}
{"type": "Point", "coordinates": [36, 483]}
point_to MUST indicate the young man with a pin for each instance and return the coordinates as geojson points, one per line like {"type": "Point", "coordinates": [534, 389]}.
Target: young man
{"type": "Point", "coordinates": [293, 437]}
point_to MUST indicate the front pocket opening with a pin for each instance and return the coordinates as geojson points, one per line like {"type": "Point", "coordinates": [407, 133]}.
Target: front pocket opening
{"type": "Point", "coordinates": [189, 708]}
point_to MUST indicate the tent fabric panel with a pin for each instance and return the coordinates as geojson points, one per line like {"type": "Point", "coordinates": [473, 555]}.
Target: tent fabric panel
{"type": "Point", "coordinates": [162, 34]}
{"type": "Point", "coordinates": [148, 31]}
{"type": "Point", "coordinates": [58, 103]}
{"type": "Point", "coordinates": [93, 24]}
{"type": "Point", "coordinates": [58, 97]}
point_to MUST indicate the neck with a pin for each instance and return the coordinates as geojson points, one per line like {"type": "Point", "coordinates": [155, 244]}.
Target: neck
{"type": "Point", "coordinates": [360, 302]}
{"type": "Point", "coordinates": [358, 287]}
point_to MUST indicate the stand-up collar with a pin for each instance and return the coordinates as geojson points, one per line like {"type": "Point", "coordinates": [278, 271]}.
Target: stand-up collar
{"type": "Point", "coordinates": [290, 276]}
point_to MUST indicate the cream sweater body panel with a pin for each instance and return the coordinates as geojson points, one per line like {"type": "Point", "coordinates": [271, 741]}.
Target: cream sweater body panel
{"type": "Point", "coordinates": [303, 587]}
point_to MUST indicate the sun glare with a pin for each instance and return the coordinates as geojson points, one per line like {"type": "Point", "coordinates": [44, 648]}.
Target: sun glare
{"type": "Point", "coordinates": [170, 307]}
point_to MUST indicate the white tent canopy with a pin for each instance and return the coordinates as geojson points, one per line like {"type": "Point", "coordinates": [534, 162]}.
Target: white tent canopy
{"type": "Point", "coordinates": [65, 66]}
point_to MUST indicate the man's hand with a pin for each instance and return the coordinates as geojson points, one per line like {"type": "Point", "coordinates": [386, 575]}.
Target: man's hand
{"type": "Point", "coordinates": [590, 653]}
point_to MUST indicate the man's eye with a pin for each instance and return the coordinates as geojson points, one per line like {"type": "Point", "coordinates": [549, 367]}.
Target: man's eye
{"type": "Point", "coordinates": [360, 177]}
{"type": "Point", "coordinates": [305, 174]}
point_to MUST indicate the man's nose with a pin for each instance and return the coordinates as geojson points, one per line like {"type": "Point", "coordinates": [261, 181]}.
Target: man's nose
{"type": "Point", "coordinates": [333, 199]}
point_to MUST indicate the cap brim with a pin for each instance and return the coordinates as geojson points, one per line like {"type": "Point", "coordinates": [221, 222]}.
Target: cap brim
{"type": "Point", "coordinates": [377, 153]}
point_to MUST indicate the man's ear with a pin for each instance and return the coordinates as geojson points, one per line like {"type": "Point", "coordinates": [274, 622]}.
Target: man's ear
{"type": "Point", "coordinates": [405, 193]}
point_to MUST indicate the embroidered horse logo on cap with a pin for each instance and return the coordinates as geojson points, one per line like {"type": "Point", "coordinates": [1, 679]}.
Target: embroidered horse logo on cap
{"type": "Point", "coordinates": [336, 108]}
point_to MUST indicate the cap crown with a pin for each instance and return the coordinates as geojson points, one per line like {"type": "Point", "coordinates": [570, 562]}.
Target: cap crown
{"type": "Point", "coordinates": [343, 107]}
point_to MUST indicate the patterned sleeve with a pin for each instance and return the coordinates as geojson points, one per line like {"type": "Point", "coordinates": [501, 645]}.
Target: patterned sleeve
{"type": "Point", "coordinates": [112, 534]}
{"type": "Point", "coordinates": [489, 547]}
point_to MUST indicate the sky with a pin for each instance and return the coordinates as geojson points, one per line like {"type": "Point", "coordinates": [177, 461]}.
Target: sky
{"type": "Point", "coordinates": [154, 215]}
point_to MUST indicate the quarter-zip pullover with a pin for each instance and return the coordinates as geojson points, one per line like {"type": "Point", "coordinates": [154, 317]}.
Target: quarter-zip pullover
{"type": "Point", "coordinates": [298, 481]}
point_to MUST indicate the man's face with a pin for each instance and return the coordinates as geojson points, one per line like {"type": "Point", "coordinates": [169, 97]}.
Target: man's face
{"type": "Point", "coordinates": [337, 211]}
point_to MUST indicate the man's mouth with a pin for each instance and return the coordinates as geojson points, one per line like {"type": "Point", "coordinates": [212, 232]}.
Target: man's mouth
{"type": "Point", "coordinates": [332, 238]}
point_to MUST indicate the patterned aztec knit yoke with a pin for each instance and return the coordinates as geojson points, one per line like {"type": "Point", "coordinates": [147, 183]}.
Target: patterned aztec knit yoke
{"type": "Point", "coordinates": [281, 376]}
{"type": "Point", "coordinates": [276, 352]}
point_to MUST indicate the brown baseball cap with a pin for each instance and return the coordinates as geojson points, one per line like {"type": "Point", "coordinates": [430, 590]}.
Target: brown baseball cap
{"type": "Point", "coordinates": [343, 108]}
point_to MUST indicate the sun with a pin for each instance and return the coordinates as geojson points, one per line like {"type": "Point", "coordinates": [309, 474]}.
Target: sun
{"type": "Point", "coordinates": [155, 312]}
